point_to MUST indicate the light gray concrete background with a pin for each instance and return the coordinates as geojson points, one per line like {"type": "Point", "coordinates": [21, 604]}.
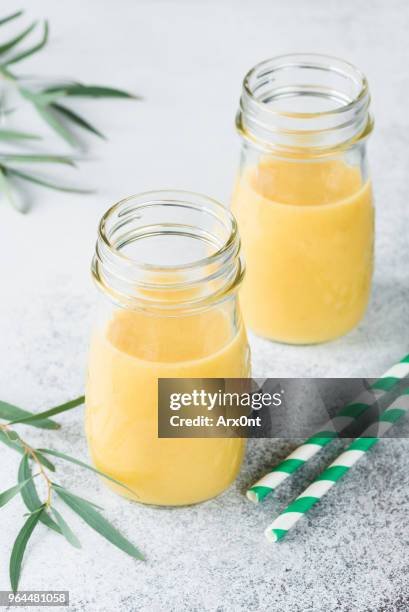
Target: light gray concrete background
{"type": "Point", "coordinates": [187, 59]}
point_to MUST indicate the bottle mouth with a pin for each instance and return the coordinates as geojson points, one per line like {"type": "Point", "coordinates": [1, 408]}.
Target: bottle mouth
{"type": "Point", "coordinates": [300, 102]}
{"type": "Point", "coordinates": [168, 250]}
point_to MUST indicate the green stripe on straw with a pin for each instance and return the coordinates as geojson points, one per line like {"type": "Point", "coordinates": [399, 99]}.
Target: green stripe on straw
{"type": "Point", "coordinates": [301, 504]}
{"type": "Point", "coordinates": [290, 465]}
{"type": "Point", "coordinates": [338, 468]}
{"type": "Point", "coordinates": [320, 441]}
{"type": "Point", "coordinates": [363, 444]}
{"type": "Point", "coordinates": [268, 483]}
{"type": "Point", "coordinates": [333, 473]}
{"type": "Point", "coordinates": [353, 410]}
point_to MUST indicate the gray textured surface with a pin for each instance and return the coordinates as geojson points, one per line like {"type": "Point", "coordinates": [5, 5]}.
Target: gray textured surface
{"type": "Point", "coordinates": [187, 59]}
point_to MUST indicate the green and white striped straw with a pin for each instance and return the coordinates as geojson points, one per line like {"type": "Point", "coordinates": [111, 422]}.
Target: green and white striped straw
{"type": "Point", "coordinates": [347, 415]}
{"type": "Point", "coordinates": [338, 468]}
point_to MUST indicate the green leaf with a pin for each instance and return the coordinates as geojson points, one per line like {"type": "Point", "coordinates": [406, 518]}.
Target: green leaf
{"type": "Point", "coordinates": [12, 440]}
{"type": "Point", "coordinates": [75, 118]}
{"type": "Point", "coordinates": [9, 412]}
{"type": "Point", "coordinates": [44, 461]}
{"type": "Point", "coordinates": [36, 158]}
{"type": "Point", "coordinates": [14, 41]}
{"type": "Point", "coordinates": [99, 523]}
{"type": "Point", "coordinates": [90, 91]}
{"type": "Point", "coordinates": [81, 499]}
{"type": "Point", "coordinates": [56, 125]}
{"type": "Point", "coordinates": [33, 418]}
{"type": "Point", "coordinates": [45, 182]}
{"type": "Point", "coordinates": [31, 50]}
{"type": "Point", "coordinates": [20, 546]}
{"type": "Point", "coordinates": [10, 17]}
{"type": "Point", "coordinates": [66, 529]}
{"type": "Point", "coordinates": [7, 495]}
{"type": "Point", "coordinates": [7, 74]}
{"type": "Point", "coordinates": [30, 495]}
{"type": "Point", "coordinates": [8, 193]}
{"type": "Point", "coordinates": [43, 98]}
{"type": "Point", "coordinates": [15, 135]}
{"type": "Point", "coordinates": [49, 451]}
{"type": "Point", "coordinates": [34, 512]}
{"type": "Point", "coordinates": [10, 443]}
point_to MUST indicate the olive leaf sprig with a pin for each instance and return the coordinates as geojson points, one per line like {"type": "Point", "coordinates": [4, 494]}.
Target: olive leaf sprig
{"type": "Point", "coordinates": [35, 465]}
{"type": "Point", "coordinates": [46, 101]}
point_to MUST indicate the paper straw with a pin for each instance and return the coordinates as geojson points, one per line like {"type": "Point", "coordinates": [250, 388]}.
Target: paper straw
{"type": "Point", "coordinates": [338, 468]}
{"type": "Point", "coordinates": [347, 415]}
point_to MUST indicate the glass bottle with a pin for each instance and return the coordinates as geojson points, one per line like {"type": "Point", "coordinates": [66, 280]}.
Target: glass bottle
{"type": "Point", "coordinates": [168, 266]}
{"type": "Point", "coordinates": [303, 198]}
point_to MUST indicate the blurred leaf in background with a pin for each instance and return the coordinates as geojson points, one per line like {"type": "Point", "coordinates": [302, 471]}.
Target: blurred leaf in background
{"type": "Point", "coordinates": [46, 101]}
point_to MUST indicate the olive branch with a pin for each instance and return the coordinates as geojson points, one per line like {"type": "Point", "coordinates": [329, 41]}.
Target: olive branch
{"type": "Point", "coordinates": [35, 465]}
{"type": "Point", "coordinates": [46, 101]}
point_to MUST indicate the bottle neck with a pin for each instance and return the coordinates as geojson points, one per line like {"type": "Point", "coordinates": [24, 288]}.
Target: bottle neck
{"type": "Point", "coordinates": [304, 105]}
{"type": "Point", "coordinates": [168, 252]}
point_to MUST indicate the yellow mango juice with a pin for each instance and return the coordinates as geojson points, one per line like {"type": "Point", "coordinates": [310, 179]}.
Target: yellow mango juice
{"type": "Point", "coordinates": [127, 357]}
{"type": "Point", "coordinates": [307, 236]}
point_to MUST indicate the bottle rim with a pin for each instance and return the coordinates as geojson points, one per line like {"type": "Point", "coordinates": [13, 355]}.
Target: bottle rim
{"type": "Point", "coordinates": [304, 75]}
{"type": "Point", "coordinates": [158, 196]}
{"type": "Point", "coordinates": [301, 60]}
{"type": "Point", "coordinates": [135, 282]}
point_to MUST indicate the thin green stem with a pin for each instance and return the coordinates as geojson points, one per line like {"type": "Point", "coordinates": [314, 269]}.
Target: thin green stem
{"type": "Point", "coordinates": [32, 453]}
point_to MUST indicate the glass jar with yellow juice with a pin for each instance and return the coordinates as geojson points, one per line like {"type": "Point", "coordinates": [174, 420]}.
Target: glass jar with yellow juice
{"type": "Point", "coordinates": [303, 198]}
{"type": "Point", "coordinates": [168, 264]}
